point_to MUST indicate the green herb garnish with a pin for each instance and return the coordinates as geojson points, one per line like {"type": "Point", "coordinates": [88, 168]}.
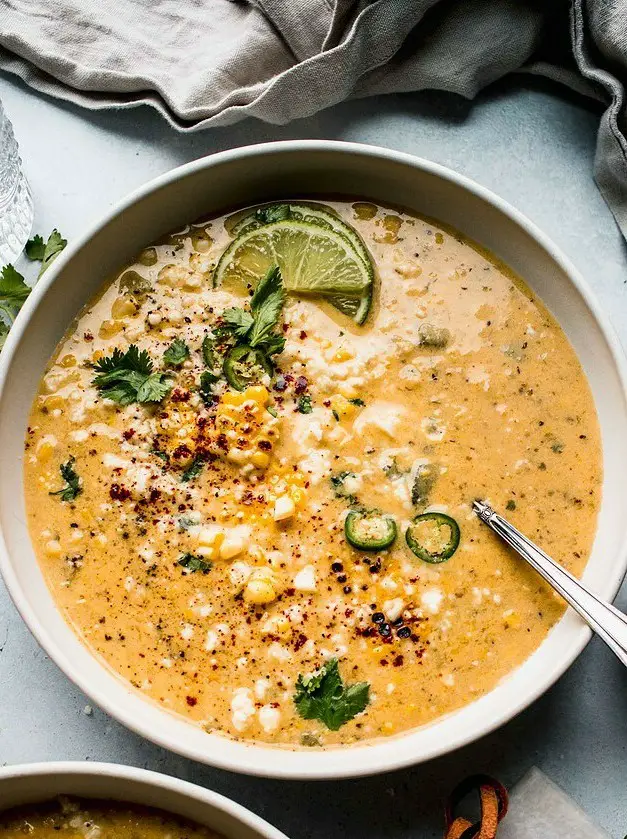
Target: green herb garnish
{"type": "Point", "coordinates": [195, 563]}
{"type": "Point", "coordinates": [46, 253]}
{"type": "Point", "coordinates": [323, 696]}
{"type": "Point", "coordinates": [13, 292]}
{"type": "Point", "coordinates": [304, 404]}
{"type": "Point", "coordinates": [128, 377]}
{"type": "Point", "coordinates": [277, 212]}
{"type": "Point", "coordinates": [4, 331]}
{"type": "Point", "coordinates": [72, 486]}
{"type": "Point", "coordinates": [272, 411]}
{"type": "Point", "coordinates": [176, 353]}
{"type": "Point", "coordinates": [194, 469]}
{"type": "Point", "coordinates": [256, 328]}
{"type": "Point", "coordinates": [359, 402]}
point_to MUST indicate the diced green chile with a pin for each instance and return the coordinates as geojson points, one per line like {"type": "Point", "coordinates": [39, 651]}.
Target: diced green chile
{"type": "Point", "coordinates": [369, 530]}
{"type": "Point", "coordinates": [439, 542]}
{"type": "Point", "coordinates": [244, 365]}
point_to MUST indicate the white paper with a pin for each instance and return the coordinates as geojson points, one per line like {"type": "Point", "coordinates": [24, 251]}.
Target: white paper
{"type": "Point", "coordinates": [539, 809]}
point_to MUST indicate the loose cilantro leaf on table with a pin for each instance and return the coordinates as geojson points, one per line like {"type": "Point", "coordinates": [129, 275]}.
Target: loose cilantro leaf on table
{"type": "Point", "coordinates": [195, 563]}
{"type": "Point", "coordinates": [72, 486]}
{"type": "Point", "coordinates": [13, 291]}
{"type": "Point", "coordinates": [46, 253]}
{"type": "Point", "coordinates": [324, 696]}
{"type": "Point", "coordinates": [35, 248]}
{"type": "Point", "coordinates": [128, 377]}
{"type": "Point", "coordinates": [176, 353]}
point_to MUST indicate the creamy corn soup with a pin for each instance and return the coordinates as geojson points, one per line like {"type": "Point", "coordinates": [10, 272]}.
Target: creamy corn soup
{"type": "Point", "coordinates": [73, 818]}
{"type": "Point", "coordinates": [257, 510]}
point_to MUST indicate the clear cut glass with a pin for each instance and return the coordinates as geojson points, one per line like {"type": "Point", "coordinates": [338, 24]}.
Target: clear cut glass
{"type": "Point", "coordinates": [16, 203]}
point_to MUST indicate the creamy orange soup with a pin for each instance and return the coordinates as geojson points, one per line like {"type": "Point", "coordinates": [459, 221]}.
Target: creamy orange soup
{"type": "Point", "coordinates": [74, 818]}
{"type": "Point", "coordinates": [198, 544]}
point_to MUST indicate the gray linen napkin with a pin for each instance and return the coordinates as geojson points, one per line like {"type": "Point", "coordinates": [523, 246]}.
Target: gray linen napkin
{"type": "Point", "coordinates": [213, 62]}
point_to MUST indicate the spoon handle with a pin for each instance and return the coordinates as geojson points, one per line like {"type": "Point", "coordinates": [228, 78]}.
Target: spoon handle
{"type": "Point", "coordinates": [602, 617]}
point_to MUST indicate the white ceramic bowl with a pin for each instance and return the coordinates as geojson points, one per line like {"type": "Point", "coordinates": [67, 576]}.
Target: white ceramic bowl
{"type": "Point", "coordinates": [254, 174]}
{"type": "Point", "coordinates": [38, 782]}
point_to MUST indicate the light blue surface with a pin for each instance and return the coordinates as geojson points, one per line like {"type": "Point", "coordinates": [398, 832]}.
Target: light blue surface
{"type": "Point", "coordinates": [536, 150]}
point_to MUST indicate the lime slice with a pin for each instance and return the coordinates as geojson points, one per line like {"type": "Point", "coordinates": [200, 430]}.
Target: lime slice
{"type": "Point", "coordinates": [314, 260]}
{"type": "Point", "coordinates": [313, 213]}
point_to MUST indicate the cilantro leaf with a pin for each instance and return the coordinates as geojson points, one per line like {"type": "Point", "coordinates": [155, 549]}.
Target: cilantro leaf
{"type": "Point", "coordinates": [195, 563]}
{"type": "Point", "coordinates": [72, 486]}
{"type": "Point", "coordinates": [304, 404]}
{"type": "Point", "coordinates": [238, 322]}
{"type": "Point", "coordinates": [4, 331]}
{"type": "Point", "coordinates": [35, 248]}
{"type": "Point", "coordinates": [176, 353]}
{"type": "Point", "coordinates": [359, 402]}
{"type": "Point", "coordinates": [324, 696]}
{"type": "Point", "coordinates": [128, 377]}
{"type": "Point", "coordinates": [13, 291]}
{"type": "Point", "coordinates": [266, 306]}
{"type": "Point", "coordinates": [207, 381]}
{"type": "Point", "coordinates": [276, 212]}
{"type": "Point", "coordinates": [194, 469]}
{"type": "Point", "coordinates": [53, 248]}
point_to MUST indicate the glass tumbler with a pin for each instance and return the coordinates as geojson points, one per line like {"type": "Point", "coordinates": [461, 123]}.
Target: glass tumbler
{"type": "Point", "coordinates": [16, 203]}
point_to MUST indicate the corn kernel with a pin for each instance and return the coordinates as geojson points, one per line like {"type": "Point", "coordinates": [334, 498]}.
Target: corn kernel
{"type": "Point", "coordinates": [297, 494]}
{"type": "Point", "coordinates": [284, 508]}
{"type": "Point", "coordinates": [260, 588]}
{"type": "Point", "coordinates": [68, 361]}
{"type": "Point", "coordinates": [45, 448]}
{"type": "Point", "coordinates": [108, 328]}
{"type": "Point", "coordinates": [207, 536]}
{"type": "Point", "coordinates": [387, 727]}
{"type": "Point", "coordinates": [260, 459]}
{"type": "Point", "coordinates": [343, 355]}
{"type": "Point", "coordinates": [342, 407]}
{"type": "Point", "coordinates": [258, 393]}
{"type": "Point", "coordinates": [172, 275]}
{"type": "Point", "coordinates": [232, 545]}
{"type": "Point", "coordinates": [53, 402]}
{"type": "Point", "coordinates": [53, 547]}
{"type": "Point", "coordinates": [206, 552]}
{"type": "Point", "coordinates": [122, 307]}
{"type": "Point", "coordinates": [232, 397]}
{"type": "Point", "coordinates": [278, 625]}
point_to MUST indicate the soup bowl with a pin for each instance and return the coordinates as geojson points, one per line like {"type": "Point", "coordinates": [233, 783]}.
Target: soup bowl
{"type": "Point", "coordinates": [248, 176]}
{"type": "Point", "coordinates": [36, 783]}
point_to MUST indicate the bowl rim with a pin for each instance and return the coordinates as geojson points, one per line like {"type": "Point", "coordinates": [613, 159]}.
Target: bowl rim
{"type": "Point", "coordinates": [148, 777]}
{"type": "Point", "coordinates": [315, 769]}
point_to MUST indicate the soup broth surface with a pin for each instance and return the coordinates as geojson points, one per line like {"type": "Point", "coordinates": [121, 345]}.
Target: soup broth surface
{"type": "Point", "coordinates": [74, 818]}
{"type": "Point", "coordinates": [204, 557]}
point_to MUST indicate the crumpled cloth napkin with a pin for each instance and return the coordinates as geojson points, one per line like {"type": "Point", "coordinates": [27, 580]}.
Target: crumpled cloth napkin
{"type": "Point", "coordinates": [213, 62]}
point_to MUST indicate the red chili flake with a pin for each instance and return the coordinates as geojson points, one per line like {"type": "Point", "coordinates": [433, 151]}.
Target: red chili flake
{"type": "Point", "coordinates": [128, 433]}
{"type": "Point", "coordinates": [180, 395]}
{"type": "Point", "coordinates": [290, 592]}
{"type": "Point", "coordinates": [398, 661]}
{"type": "Point", "coordinates": [191, 701]}
{"type": "Point", "coordinates": [300, 641]}
{"type": "Point", "coordinates": [155, 494]}
{"type": "Point", "coordinates": [264, 445]}
{"type": "Point", "coordinates": [88, 336]}
{"type": "Point", "coordinates": [301, 385]}
{"type": "Point", "coordinates": [119, 493]}
{"type": "Point", "coordinates": [327, 403]}
{"type": "Point", "coordinates": [182, 451]}
{"type": "Point", "coordinates": [302, 335]}
{"type": "Point", "coordinates": [222, 442]}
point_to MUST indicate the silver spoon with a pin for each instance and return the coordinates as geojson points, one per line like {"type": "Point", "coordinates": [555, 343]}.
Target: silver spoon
{"type": "Point", "coordinates": [602, 617]}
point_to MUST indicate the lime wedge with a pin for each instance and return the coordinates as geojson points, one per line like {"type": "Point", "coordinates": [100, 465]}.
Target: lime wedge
{"type": "Point", "coordinates": [313, 213]}
{"type": "Point", "coordinates": [314, 260]}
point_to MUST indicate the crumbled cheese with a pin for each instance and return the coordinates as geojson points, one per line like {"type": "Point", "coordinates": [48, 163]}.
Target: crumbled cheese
{"type": "Point", "coordinates": [393, 609]}
{"type": "Point", "coordinates": [242, 708]}
{"type": "Point", "coordinates": [305, 580]}
{"type": "Point", "coordinates": [269, 718]}
{"type": "Point", "coordinates": [284, 508]}
{"type": "Point", "coordinates": [261, 688]}
{"type": "Point", "coordinates": [431, 600]}
{"type": "Point", "coordinates": [382, 415]}
{"type": "Point", "coordinates": [112, 461]}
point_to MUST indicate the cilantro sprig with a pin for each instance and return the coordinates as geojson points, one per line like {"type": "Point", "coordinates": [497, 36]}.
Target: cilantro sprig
{"type": "Point", "coordinates": [72, 480]}
{"type": "Point", "coordinates": [129, 377]}
{"type": "Point", "coordinates": [176, 353]}
{"type": "Point", "coordinates": [255, 328]}
{"type": "Point", "coordinates": [13, 292]}
{"type": "Point", "coordinates": [323, 695]}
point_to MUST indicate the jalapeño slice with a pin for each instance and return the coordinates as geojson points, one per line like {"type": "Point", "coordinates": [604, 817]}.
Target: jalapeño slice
{"type": "Point", "coordinates": [244, 365]}
{"type": "Point", "coordinates": [433, 537]}
{"type": "Point", "coordinates": [369, 530]}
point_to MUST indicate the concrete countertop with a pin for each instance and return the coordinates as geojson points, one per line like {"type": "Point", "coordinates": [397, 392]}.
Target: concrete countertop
{"type": "Point", "coordinates": [535, 147]}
